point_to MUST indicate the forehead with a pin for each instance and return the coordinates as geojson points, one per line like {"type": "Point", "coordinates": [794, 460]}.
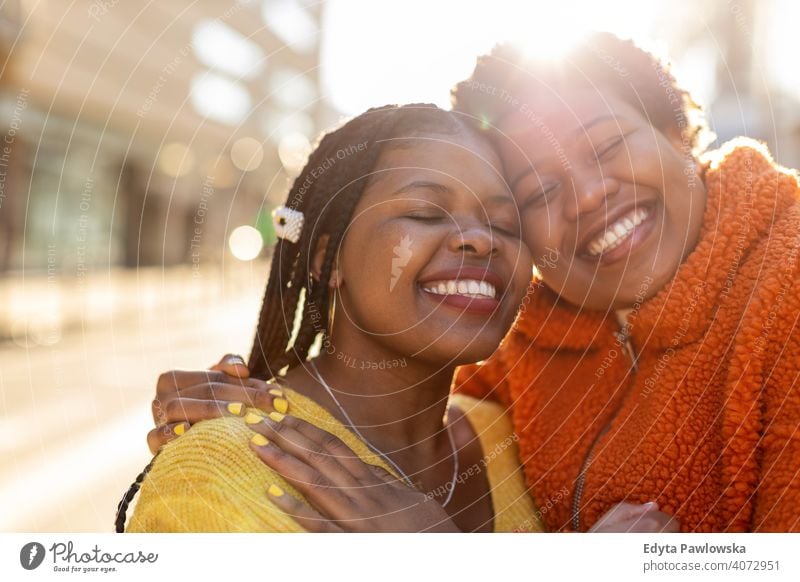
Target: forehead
{"type": "Point", "coordinates": [552, 116]}
{"type": "Point", "coordinates": [468, 161]}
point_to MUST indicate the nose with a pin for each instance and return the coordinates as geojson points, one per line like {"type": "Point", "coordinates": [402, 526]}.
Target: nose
{"type": "Point", "coordinates": [475, 240]}
{"type": "Point", "coordinates": [589, 191]}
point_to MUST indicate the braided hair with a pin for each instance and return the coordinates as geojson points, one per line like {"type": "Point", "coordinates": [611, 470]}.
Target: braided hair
{"type": "Point", "coordinates": [326, 192]}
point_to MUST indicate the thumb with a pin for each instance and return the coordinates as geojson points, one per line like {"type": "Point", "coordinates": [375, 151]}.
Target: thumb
{"type": "Point", "coordinates": [232, 365]}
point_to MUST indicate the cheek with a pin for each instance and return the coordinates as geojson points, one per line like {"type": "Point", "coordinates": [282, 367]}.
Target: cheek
{"type": "Point", "coordinates": [542, 239]}
{"type": "Point", "coordinates": [523, 270]}
{"type": "Point", "coordinates": [384, 258]}
{"type": "Point", "coordinates": [657, 164]}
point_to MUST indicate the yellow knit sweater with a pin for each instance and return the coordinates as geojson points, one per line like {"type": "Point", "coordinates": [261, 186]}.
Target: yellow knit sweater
{"type": "Point", "coordinates": [209, 480]}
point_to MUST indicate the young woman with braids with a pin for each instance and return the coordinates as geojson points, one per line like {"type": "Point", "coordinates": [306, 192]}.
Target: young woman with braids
{"type": "Point", "coordinates": [659, 358]}
{"type": "Point", "coordinates": [402, 227]}
{"type": "Point", "coordinates": [412, 182]}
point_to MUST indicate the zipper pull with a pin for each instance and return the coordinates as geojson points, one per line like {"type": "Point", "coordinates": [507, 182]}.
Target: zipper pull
{"type": "Point", "coordinates": [624, 339]}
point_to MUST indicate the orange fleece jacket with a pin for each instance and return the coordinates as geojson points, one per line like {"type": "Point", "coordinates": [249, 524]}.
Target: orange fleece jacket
{"type": "Point", "coordinates": [707, 421]}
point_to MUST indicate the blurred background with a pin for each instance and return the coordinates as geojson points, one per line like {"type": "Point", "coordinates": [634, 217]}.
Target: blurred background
{"type": "Point", "coordinates": [145, 144]}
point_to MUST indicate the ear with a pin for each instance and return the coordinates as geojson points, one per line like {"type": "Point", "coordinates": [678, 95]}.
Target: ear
{"type": "Point", "coordinates": [319, 258]}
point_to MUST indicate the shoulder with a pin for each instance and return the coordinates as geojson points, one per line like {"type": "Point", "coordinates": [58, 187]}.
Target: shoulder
{"type": "Point", "coordinates": [493, 426]}
{"type": "Point", "coordinates": [209, 480]}
{"type": "Point", "coordinates": [514, 509]}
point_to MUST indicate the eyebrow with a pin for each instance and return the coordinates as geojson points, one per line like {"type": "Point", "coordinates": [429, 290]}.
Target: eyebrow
{"type": "Point", "coordinates": [584, 127]}
{"type": "Point", "coordinates": [416, 184]}
{"type": "Point", "coordinates": [442, 189]}
{"type": "Point", "coordinates": [599, 119]}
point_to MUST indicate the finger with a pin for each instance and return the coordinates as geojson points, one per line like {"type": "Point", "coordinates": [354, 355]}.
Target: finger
{"type": "Point", "coordinates": [652, 521]}
{"type": "Point", "coordinates": [320, 491]}
{"type": "Point", "coordinates": [265, 396]}
{"type": "Point", "coordinates": [232, 365]}
{"type": "Point", "coordinates": [308, 518]}
{"type": "Point", "coordinates": [385, 476]}
{"type": "Point", "coordinates": [335, 447]}
{"type": "Point", "coordinates": [163, 434]}
{"type": "Point", "coordinates": [172, 382]}
{"type": "Point", "coordinates": [629, 511]}
{"type": "Point", "coordinates": [672, 526]}
{"type": "Point", "coordinates": [282, 430]}
{"type": "Point", "coordinates": [194, 410]}
{"type": "Point", "coordinates": [622, 515]}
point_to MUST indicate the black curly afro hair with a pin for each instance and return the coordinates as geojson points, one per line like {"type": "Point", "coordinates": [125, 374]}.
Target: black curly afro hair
{"type": "Point", "coordinates": [506, 77]}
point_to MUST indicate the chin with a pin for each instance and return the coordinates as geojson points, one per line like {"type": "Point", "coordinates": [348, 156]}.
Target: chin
{"type": "Point", "coordinates": [459, 355]}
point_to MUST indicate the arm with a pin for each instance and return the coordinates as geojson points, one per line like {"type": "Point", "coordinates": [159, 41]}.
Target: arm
{"type": "Point", "coordinates": [777, 501]}
{"type": "Point", "coordinates": [347, 494]}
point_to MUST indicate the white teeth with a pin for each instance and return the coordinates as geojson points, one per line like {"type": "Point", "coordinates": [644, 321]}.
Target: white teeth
{"type": "Point", "coordinates": [465, 287]}
{"type": "Point", "coordinates": [615, 234]}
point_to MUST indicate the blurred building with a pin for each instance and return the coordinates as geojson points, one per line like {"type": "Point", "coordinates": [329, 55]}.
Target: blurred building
{"type": "Point", "coordinates": [143, 134]}
{"type": "Point", "coordinates": [738, 58]}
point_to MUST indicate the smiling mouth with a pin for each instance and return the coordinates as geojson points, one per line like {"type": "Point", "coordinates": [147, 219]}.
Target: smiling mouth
{"type": "Point", "coordinates": [470, 288]}
{"type": "Point", "coordinates": [620, 232]}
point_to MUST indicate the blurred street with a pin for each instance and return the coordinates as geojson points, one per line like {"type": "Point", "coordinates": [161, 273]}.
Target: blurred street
{"type": "Point", "coordinates": [76, 412]}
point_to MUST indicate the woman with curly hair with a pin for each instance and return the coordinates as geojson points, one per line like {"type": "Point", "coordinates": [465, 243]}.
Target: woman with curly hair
{"type": "Point", "coordinates": [658, 356]}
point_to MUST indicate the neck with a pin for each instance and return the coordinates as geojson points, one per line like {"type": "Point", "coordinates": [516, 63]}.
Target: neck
{"type": "Point", "coordinates": [396, 402]}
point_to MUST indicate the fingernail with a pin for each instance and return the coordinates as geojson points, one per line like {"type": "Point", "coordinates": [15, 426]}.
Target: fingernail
{"type": "Point", "coordinates": [253, 418]}
{"type": "Point", "coordinates": [275, 491]}
{"type": "Point", "coordinates": [235, 408]}
{"type": "Point", "coordinates": [651, 505]}
{"type": "Point", "coordinates": [179, 429]}
{"type": "Point", "coordinates": [276, 416]}
{"type": "Point", "coordinates": [281, 405]}
{"type": "Point", "coordinates": [236, 360]}
{"type": "Point", "coordinates": [276, 392]}
{"type": "Point", "coordinates": [259, 440]}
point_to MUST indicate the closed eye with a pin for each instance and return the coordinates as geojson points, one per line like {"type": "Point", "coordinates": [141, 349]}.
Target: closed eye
{"type": "Point", "coordinates": [425, 217]}
{"type": "Point", "coordinates": [609, 148]}
{"type": "Point", "coordinates": [513, 233]}
{"type": "Point", "coordinates": [541, 195]}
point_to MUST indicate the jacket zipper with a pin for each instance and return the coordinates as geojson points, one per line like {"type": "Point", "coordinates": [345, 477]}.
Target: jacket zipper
{"type": "Point", "coordinates": [624, 339]}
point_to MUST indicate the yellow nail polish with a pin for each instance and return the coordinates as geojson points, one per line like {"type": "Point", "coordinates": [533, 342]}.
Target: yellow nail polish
{"type": "Point", "coordinates": [259, 440]}
{"type": "Point", "coordinates": [179, 429]}
{"type": "Point", "coordinates": [235, 408]}
{"type": "Point", "coordinates": [281, 405]}
{"type": "Point", "coordinates": [275, 491]}
{"type": "Point", "coordinates": [253, 418]}
{"type": "Point", "coordinates": [276, 416]}
{"type": "Point", "coordinates": [276, 392]}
